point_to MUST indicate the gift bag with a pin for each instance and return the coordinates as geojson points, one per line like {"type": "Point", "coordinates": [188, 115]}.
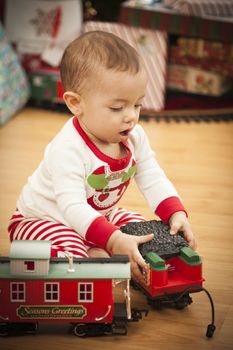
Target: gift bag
{"type": "Point", "coordinates": [40, 30]}
{"type": "Point", "coordinates": [43, 27]}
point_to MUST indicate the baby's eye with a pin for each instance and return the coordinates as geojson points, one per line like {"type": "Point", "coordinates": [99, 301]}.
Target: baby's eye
{"type": "Point", "coordinates": [116, 109]}
{"type": "Point", "coordinates": [138, 105]}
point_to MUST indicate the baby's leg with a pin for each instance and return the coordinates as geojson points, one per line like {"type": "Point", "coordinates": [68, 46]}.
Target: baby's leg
{"type": "Point", "coordinates": [121, 217]}
{"type": "Point", "coordinates": [63, 238]}
{"type": "Point", "coordinates": [96, 252]}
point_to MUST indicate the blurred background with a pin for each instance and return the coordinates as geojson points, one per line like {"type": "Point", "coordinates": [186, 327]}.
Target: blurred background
{"type": "Point", "coordinates": [186, 47]}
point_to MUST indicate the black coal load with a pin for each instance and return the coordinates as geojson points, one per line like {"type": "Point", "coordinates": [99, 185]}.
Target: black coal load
{"type": "Point", "coordinates": [164, 244]}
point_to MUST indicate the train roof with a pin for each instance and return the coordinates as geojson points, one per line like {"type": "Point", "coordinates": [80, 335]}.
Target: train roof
{"type": "Point", "coordinates": [46, 267]}
{"type": "Point", "coordinates": [92, 269]}
{"type": "Point", "coordinates": [116, 267]}
{"type": "Point", "coordinates": [30, 249]}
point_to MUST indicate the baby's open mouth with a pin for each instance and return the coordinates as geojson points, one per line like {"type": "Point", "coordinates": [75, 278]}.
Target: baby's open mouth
{"type": "Point", "coordinates": [125, 132]}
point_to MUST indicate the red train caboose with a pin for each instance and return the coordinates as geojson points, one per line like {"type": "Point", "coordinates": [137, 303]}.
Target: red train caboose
{"type": "Point", "coordinates": [37, 288]}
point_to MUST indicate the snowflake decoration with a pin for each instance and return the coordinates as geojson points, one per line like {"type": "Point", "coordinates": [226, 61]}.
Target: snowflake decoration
{"type": "Point", "coordinates": [47, 22]}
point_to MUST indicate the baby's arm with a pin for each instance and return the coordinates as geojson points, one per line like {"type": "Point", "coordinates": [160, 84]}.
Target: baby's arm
{"type": "Point", "coordinates": [160, 193]}
{"type": "Point", "coordinates": [121, 243]}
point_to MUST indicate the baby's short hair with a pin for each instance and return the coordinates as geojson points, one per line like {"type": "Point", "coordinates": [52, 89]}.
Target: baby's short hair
{"type": "Point", "coordinates": [93, 50]}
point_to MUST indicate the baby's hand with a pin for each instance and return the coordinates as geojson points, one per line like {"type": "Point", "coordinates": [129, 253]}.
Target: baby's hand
{"type": "Point", "coordinates": [179, 222]}
{"type": "Point", "coordinates": [121, 243]}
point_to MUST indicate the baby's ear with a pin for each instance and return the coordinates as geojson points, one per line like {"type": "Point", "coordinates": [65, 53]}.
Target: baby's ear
{"type": "Point", "coordinates": [72, 101]}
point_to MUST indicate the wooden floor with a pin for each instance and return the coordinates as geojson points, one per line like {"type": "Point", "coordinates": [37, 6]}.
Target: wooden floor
{"type": "Point", "coordinates": [198, 158]}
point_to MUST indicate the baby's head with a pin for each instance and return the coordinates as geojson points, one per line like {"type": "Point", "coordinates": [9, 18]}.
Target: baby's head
{"type": "Point", "coordinates": [104, 83]}
{"type": "Point", "coordinates": [84, 58]}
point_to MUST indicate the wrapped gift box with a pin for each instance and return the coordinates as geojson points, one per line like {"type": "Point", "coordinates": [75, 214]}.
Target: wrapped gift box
{"type": "Point", "coordinates": [158, 16]}
{"type": "Point", "coordinates": [152, 46]}
{"type": "Point", "coordinates": [204, 49]}
{"type": "Point", "coordinates": [198, 81]}
{"type": "Point", "coordinates": [207, 55]}
{"type": "Point", "coordinates": [202, 7]}
{"type": "Point", "coordinates": [211, 65]}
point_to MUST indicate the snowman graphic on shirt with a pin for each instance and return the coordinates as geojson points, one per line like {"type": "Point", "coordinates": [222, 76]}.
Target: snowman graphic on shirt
{"type": "Point", "coordinates": [107, 186]}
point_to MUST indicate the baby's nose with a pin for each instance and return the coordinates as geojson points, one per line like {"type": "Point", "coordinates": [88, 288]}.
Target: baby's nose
{"type": "Point", "coordinates": [130, 115]}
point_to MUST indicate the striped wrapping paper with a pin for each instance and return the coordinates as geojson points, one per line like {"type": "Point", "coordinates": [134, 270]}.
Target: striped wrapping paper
{"type": "Point", "coordinates": [152, 46]}
{"type": "Point", "coordinates": [202, 7]}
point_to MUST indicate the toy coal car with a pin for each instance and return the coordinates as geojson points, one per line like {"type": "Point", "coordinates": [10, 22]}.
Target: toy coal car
{"type": "Point", "coordinates": [175, 268]}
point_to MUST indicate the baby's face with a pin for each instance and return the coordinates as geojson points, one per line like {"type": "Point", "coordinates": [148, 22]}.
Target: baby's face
{"type": "Point", "coordinates": [111, 105]}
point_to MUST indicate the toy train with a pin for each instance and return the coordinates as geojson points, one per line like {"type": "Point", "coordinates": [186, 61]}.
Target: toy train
{"type": "Point", "coordinates": [35, 288]}
{"type": "Point", "coordinates": [175, 268]}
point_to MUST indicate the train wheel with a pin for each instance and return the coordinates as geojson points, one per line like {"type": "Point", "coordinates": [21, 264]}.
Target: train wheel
{"type": "Point", "coordinates": [4, 331]}
{"type": "Point", "coordinates": [183, 302]}
{"type": "Point", "coordinates": [107, 329]}
{"type": "Point", "coordinates": [119, 328]}
{"type": "Point", "coordinates": [32, 328]}
{"type": "Point", "coordinates": [80, 329]}
{"type": "Point", "coordinates": [156, 304]}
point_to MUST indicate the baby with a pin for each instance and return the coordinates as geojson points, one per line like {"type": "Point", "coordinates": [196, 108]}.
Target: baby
{"type": "Point", "coordinates": [71, 198]}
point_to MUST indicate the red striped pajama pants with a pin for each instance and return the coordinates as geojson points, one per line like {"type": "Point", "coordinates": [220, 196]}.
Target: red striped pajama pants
{"type": "Point", "coordinates": [63, 238]}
